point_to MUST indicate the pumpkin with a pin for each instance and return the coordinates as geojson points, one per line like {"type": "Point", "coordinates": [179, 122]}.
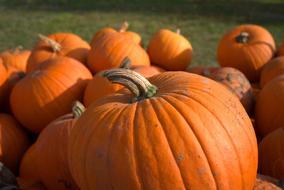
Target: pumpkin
{"type": "Point", "coordinates": [123, 30]}
{"type": "Point", "coordinates": [14, 142]}
{"type": "Point", "coordinates": [281, 50]}
{"type": "Point", "coordinates": [3, 79]}
{"type": "Point", "coordinates": [271, 154]}
{"type": "Point", "coordinates": [255, 89]}
{"type": "Point", "coordinates": [234, 80]}
{"type": "Point", "coordinates": [265, 183]}
{"type": "Point", "coordinates": [48, 92]}
{"type": "Point", "coordinates": [272, 69]}
{"type": "Point", "coordinates": [51, 151]}
{"type": "Point", "coordinates": [110, 50]}
{"type": "Point", "coordinates": [28, 173]}
{"type": "Point", "coordinates": [269, 106]}
{"type": "Point", "coordinates": [148, 71]}
{"type": "Point", "coordinates": [175, 131]}
{"type": "Point", "coordinates": [247, 48]}
{"type": "Point", "coordinates": [170, 50]}
{"type": "Point", "coordinates": [55, 45]}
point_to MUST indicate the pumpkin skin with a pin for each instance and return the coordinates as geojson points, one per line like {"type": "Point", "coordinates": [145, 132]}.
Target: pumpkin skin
{"type": "Point", "coordinates": [14, 142]}
{"type": "Point", "coordinates": [246, 48]}
{"type": "Point", "coordinates": [265, 183]}
{"type": "Point", "coordinates": [67, 44]}
{"type": "Point", "coordinates": [271, 154]}
{"type": "Point", "coordinates": [148, 71]}
{"type": "Point", "coordinates": [48, 92]}
{"type": "Point", "coordinates": [272, 69]}
{"type": "Point", "coordinates": [110, 50]}
{"type": "Point", "coordinates": [126, 145]}
{"type": "Point", "coordinates": [3, 79]}
{"type": "Point", "coordinates": [234, 80]}
{"type": "Point", "coordinates": [281, 50]}
{"type": "Point", "coordinates": [170, 50]}
{"type": "Point", "coordinates": [53, 140]}
{"type": "Point", "coordinates": [269, 106]}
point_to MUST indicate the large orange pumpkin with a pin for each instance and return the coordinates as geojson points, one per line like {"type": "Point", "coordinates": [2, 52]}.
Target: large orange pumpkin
{"type": "Point", "coordinates": [51, 151]}
{"type": "Point", "coordinates": [55, 45]}
{"type": "Point", "coordinates": [247, 48]}
{"type": "Point", "coordinates": [123, 30]}
{"type": "Point", "coordinates": [48, 92]}
{"type": "Point", "coordinates": [272, 69]}
{"type": "Point", "coordinates": [177, 131]}
{"type": "Point", "coordinates": [281, 50]}
{"type": "Point", "coordinates": [110, 50]}
{"type": "Point", "coordinates": [233, 79]}
{"type": "Point", "coordinates": [170, 50]}
{"type": "Point", "coordinates": [271, 154]}
{"type": "Point", "coordinates": [13, 142]}
{"type": "Point", "coordinates": [269, 106]}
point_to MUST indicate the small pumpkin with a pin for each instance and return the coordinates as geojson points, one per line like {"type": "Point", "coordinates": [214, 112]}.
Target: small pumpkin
{"type": "Point", "coordinates": [269, 106]}
{"type": "Point", "coordinates": [110, 50]}
{"type": "Point", "coordinates": [234, 80]}
{"type": "Point", "coordinates": [170, 50]}
{"type": "Point", "coordinates": [123, 30]}
{"type": "Point", "coordinates": [127, 140]}
{"type": "Point", "coordinates": [272, 69]}
{"type": "Point", "coordinates": [281, 50]}
{"type": "Point", "coordinates": [48, 92]}
{"type": "Point", "coordinates": [51, 151]}
{"type": "Point", "coordinates": [55, 45]}
{"type": "Point", "coordinates": [14, 142]}
{"type": "Point", "coordinates": [271, 154]}
{"type": "Point", "coordinates": [247, 48]}
{"type": "Point", "coordinates": [266, 183]}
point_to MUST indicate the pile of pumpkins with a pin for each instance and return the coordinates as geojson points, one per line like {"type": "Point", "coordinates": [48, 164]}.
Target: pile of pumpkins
{"type": "Point", "coordinates": [111, 115]}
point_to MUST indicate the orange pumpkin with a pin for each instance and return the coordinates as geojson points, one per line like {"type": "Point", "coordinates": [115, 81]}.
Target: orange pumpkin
{"type": "Point", "coordinates": [234, 80]}
{"type": "Point", "coordinates": [269, 106]}
{"type": "Point", "coordinates": [170, 50]}
{"type": "Point", "coordinates": [247, 48]}
{"type": "Point", "coordinates": [55, 45]}
{"type": "Point", "coordinates": [110, 50]}
{"type": "Point", "coordinates": [148, 71]}
{"type": "Point", "coordinates": [272, 69]}
{"type": "Point", "coordinates": [123, 30]}
{"type": "Point", "coordinates": [175, 131]}
{"type": "Point", "coordinates": [48, 92]}
{"type": "Point", "coordinates": [281, 50]}
{"type": "Point", "coordinates": [266, 183]}
{"type": "Point", "coordinates": [271, 154]}
{"type": "Point", "coordinates": [53, 140]}
{"type": "Point", "coordinates": [3, 79]}
{"type": "Point", "coordinates": [14, 142]}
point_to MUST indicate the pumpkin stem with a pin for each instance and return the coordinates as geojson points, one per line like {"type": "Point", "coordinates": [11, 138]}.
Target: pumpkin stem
{"type": "Point", "coordinates": [124, 26]}
{"type": "Point", "coordinates": [78, 109]}
{"type": "Point", "coordinates": [7, 178]}
{"type": "Point", "coordinates": [178, 31]}
{"type": "Point", "coordinates": [137, 84]}
{"type": "Point", "coordinates": [126, 63]}
{"type": "Point", "coordinates": [243, 37]}
{"type": "Point", "coordinates": [56, 47]}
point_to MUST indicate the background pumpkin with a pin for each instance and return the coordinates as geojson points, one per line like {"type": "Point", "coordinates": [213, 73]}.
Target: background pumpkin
{"type": "Point", "coordinates": [110, 50]}
{"type": "Point", "coordinates": [148, 71]}
{"type": "Point", "coordinates": [48, 92]}
{"type": "Point", "coordinates": [281, 50]}
{"type": "Point", "coordinates": [51, 151]}
{"type": "Point", "coordinates": [269, 106]}
{"type": "Point", "coordinates": [247, 48]}
{"type": "Point", "coordinates": [58, 44]}
{"type": "Point", "coordinates": [129, 142]}
{"type": "Point", "coordinates": [170, 50]}
{"type": "Point", "coordinates": [3, 79]}
{"type": "Point", "coordinates": [272, 69]}
{"type": "Point", "coordinates": [14, 142]}
{"type": "Point", "coordinates": [234, 80]}
{"type": "Point", "coordinates": [271, 154]}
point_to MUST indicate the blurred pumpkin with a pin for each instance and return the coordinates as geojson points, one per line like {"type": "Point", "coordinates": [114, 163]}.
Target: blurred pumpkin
{"type": "Point", "coordinates": [56, 45]}
{"type": "Point", "coordinates": [170, 50]}
{"type": "Point", "coordinates": [247, 48]}
{"type": "Point", "coordinates": [48, 92]}
{"type": "Point", "coordinates": [272, 69]}
{"type": "Point", "coordinates": [281, 50]}
{"type": "Point", "coordinates": [127, 140]}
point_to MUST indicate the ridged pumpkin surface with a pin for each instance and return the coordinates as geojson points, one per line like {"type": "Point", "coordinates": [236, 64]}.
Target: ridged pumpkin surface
{"type": "Point", "coordinates": [192, 134]}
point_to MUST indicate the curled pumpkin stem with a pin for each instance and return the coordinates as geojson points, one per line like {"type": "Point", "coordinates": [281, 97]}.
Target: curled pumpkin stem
{"type": "Point", "coordinates": [140, 87]}
{"type": "Point", "coordinates": [243, 37]}
{"type": "Point", "coordinates": [126, 63]}
{"type": "Point", "coordinates": [124, 26]}
{"type": "Point", "coordinates": [56, 47]}
{"type": "Point", "coordinates": [78, 109]}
